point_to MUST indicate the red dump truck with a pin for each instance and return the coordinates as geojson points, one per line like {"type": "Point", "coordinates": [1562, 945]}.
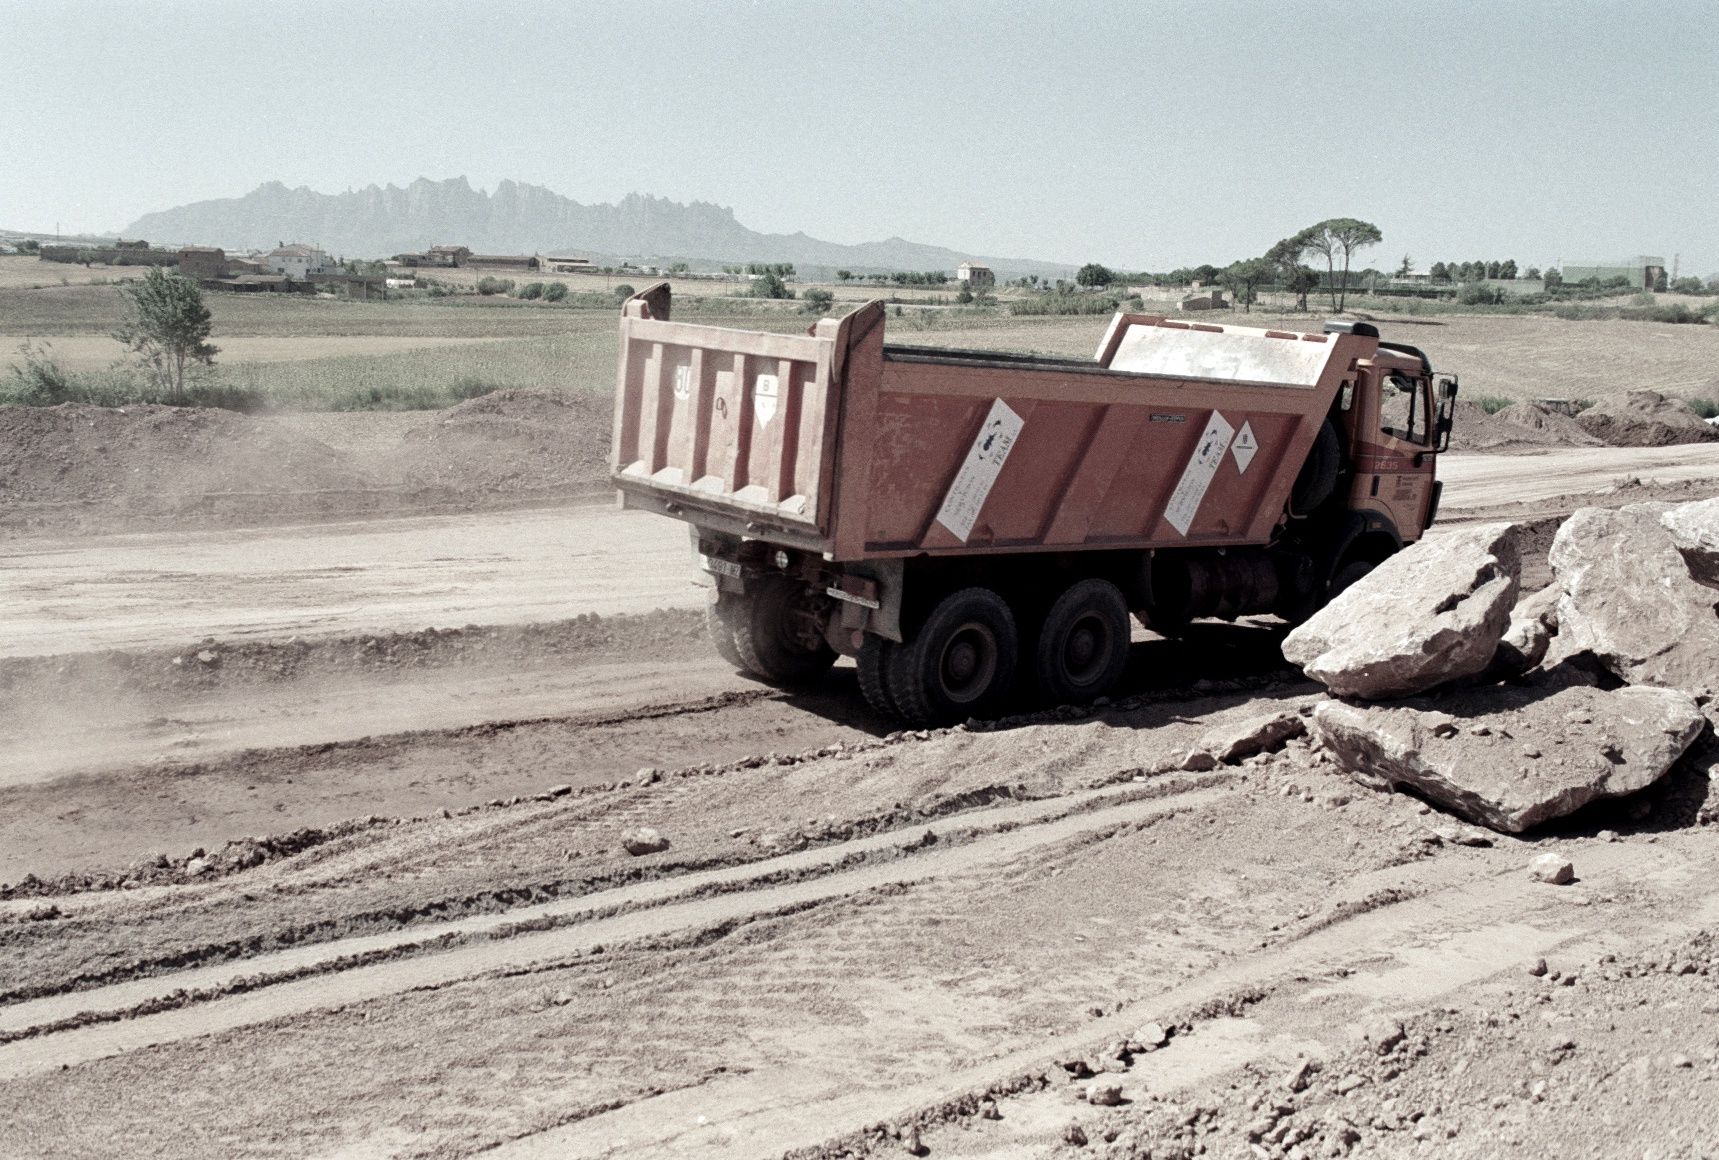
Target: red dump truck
{"type": "Point", "coordinates": [972, 524]}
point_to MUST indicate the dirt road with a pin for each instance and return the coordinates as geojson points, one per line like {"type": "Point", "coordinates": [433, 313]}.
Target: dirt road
{"type": "Point", "coordinates": [514, 567]}
{"type": "Point", "coordinates": [368, 892]}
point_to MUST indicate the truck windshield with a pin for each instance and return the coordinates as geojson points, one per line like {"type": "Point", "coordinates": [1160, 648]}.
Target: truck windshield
{"type": "Point", "coordinates": [1403, 410]}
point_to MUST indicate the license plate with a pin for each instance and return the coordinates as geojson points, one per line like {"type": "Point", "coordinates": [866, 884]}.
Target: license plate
{"type": "Point", "coordinates": [721, 567]}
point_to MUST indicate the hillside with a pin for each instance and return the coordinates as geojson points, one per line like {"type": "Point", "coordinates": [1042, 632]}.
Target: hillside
{"type": "Point", "coordinates": [515, 218]}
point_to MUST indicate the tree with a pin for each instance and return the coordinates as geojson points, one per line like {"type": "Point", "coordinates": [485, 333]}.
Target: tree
{"type": "Point", "coordinates": [1298, 279]}
{"type": "Point", "coordinates": [167, 327]}
{"type": "Point", "coordinates": [1244, 277]}
{"type": "Point", "coordinates": [844, 275]}
{"type": "Point", "coordinates": [1554, 278]}
{"type": "Point", "coordinates": [1494, 269]}
{"type": "Point", "coordinates": [1507, 269]}
{"type": "Point", "coordinates": [964, 295]}
{"type": "Point", "coordinates": [680, 268]}
{"type": "Point", "coordinates": [1439, 272]}
{"type": "Point", "coordinates": [1406, 268]}
{"type": "Point", "coordinates": [818, 301]}
{"type": "Point", "coordinates": [1532, 274]}
{"type": "Point", "coordinates": [1092, 274]}
{"type": "Point", "coordinates": [1336, 237]}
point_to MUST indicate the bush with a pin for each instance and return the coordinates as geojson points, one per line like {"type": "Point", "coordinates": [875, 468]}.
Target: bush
{"type": "Point", "coordinates": [818, 301]}
{"type": "Point", "coordinates": [490, 285]}
{"type": "Point", "coordinates": [555, 292]}
{"type": "Point", "coordinates": [624, 291]}
{"type": "Point", "coordinates": [770, 285]}
{"type": "Point", "coordinates": [1492, 404]}
{"type": "Point", "coordinates": [41, 381]}
{"type": "Point", "coordinates": [1706, 408]}
{"type": "Point", "coordinates": [531, 290]}
{"type": "Point", "coordinates": [1481, 294]}
{"type": "Point", "coordinates": [1065, 304]}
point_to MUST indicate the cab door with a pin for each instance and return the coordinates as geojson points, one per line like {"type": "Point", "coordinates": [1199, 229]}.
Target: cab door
{"type": "Point", "coordinates": [1394, 450]}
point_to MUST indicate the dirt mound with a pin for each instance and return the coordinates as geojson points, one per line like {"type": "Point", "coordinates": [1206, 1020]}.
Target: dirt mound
{"type": "Point", "coordinates": [1518, 425]}
{"type": "Point", "coordinates": [511, 440]}
{"type": "Point", "coordinates": [155, 456]}
{"type": "Point", "coordinates": [1555, 426]}
{"type": "Point", "coordinates": [1645, 419]}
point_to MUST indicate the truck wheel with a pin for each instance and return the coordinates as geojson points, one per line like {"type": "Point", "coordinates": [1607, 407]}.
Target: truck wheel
{"type": "Point", "coordinates": [719, 627]}
{"type": "Point", "coordinates": [778, 632]}
{"type": "Point", "coordinates": [1083, 646]}
{"type": "Point", "coordinates": [1318, 476]}
{"type": "Point", "coordinates": [873, 662]}
{"type": "Point", "coordinates": [960, 664]}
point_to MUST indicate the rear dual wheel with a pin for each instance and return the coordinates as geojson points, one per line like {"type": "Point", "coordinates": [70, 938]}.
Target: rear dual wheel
{"type": "Point", "coordinates": [960, 664]}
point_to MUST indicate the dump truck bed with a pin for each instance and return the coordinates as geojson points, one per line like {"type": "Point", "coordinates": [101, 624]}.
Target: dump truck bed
{"type": "Point", "coordinates": [1176, 434]}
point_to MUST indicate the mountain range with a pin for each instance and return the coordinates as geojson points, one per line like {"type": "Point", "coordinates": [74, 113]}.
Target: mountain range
{"type": "Point", "coordinates": [379, 221]}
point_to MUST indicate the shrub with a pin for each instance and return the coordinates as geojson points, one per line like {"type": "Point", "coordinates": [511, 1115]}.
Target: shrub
{"type": "Point", "coordinates": [531, 290]}
{"type": "Point", "coordinates": [770, 285]}
{"type": "Point", "coordinates": [41, 381]}
{"type": "Point", "coordinates": [1706, 408]}
{"type": "Point", "coordinates": [1065, 304]}
{"type": "Point", "coordinates": [818, 301]}
{"type": "Point", "coordinates": [555, 292]}
{"type": "Point", "coordinates": [1492, 404]}
{"type": "Point", "coordinates": [491, 285]}
{"type": "Point", "coordinates": [624, 291]}
{"type": "Point", "coordinates": [1481, 294]}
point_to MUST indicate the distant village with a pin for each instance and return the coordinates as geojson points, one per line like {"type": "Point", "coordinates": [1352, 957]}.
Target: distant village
{"type": "Point", "coordinates": [297, 268]}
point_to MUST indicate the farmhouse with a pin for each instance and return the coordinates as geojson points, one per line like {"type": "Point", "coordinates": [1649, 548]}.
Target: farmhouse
{"type": "Point", "coordinates": [203, 262]}
{"type": "Point", "coordinates": [444, 256]}
{"type": "Point", "coordinates": [975, 275]}
{"type": "Point", "coordinates": [297, 261]}
{"type": "Point", "coordinates": [568, 265]}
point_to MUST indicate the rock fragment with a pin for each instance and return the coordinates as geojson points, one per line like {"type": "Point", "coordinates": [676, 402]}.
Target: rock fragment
{"type": "Point", "coordinates": [1104, 1095]}
{"type": "Point", "coordinates": [1432, 613]}
{"type": "Point", "coordinates": [1257, 734]}
{"type": "Point", "coordinates": [1552, 869]}
{"type": "Point", "coordinates": [1627, 740]}
{"type": "Point", "coordinates": [1629, 599]}
{"type": "Point", "coordinates": [643, 840]}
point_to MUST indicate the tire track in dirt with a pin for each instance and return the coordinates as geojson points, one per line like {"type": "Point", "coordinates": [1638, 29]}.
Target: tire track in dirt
{"type": "Point", "coordinates": [1410, 953]}
{"type": "Point", "coordinates": [652, 909]}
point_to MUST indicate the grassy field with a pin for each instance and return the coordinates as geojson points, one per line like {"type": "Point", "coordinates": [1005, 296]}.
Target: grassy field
{"type": "Point", "coordinates": [336, 354]}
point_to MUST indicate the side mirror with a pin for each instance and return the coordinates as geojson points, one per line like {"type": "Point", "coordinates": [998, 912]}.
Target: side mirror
{"type": "Point", "coordinates": [1447, 389]}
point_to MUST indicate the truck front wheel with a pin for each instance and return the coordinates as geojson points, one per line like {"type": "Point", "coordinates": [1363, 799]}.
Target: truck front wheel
{"type": "Point", "coordinates": [961, 663]}
{"type": "Point", "coordinates": [778, 631]}
{"type": "Point", "coordinates": [719, 627]}
{"type": "Point", "coordinates": [1083, 646]}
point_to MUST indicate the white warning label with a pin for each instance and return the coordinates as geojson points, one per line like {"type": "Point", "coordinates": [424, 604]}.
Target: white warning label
{"type": "Point", "coordinates": [765, 389]}
{"type": "Point", "coordinates": [1244, 447]}
{"type": "Point", "coordinates": [978, 474]}
{"type": "Point", "coordinates": [1197, 476]}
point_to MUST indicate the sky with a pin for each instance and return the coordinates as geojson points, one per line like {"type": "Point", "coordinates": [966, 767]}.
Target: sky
{"type": "Point", "coordinates": [1141, 135]}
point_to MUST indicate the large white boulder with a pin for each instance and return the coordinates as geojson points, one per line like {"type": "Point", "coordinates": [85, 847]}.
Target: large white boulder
{"type": "Point", "coordinates": [1694, 529]}
{"type": "Point", "coordinates": [1432, 613]}
{"type": "Point", "coordinates": [1628, 598]}
{"type": "Point", "coordinates": [1512, 757]}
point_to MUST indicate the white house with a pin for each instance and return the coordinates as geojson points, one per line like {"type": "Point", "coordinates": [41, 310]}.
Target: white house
{"type": "Point", "coordinates": [975, 275]}
{"type": "Point", "coordinates": [298, 261]}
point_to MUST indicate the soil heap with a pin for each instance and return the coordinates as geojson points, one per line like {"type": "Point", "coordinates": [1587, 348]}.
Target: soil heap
{"type": "Point", "coordinates": [511, 440]}
{"type": "Point", "coordinates": [1645, 419]}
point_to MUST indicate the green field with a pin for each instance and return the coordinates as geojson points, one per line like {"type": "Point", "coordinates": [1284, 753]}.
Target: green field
{"type": "Point", "coordinates": [335, 354]}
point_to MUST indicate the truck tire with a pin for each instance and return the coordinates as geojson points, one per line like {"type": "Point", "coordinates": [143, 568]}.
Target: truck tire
{"type": "Point", "coordinates": [873, 663]}
{"type": "Point", "coordinates": [720, 629]}
{"type": "Point", "coordinates": [960, 664]}
{"type": "Point", "coordinates": [1348, 575]}
{"type": "Point", "coordinates": [777, 633]}
{"type": "Point", "coordinates": [1083, 645]}
{"type": "Point", "coordinates": [1318, 476]}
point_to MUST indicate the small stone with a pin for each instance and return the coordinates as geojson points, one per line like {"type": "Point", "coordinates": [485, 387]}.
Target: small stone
{"type": "Point", "coordinates": [208, 656]}
{"type": "Point", "coordinates": [988, 1110]}
{"type": "Point", "coordinates": [1608, 836]}
{"type": "Point", "coordinates": [643, 840]}
{"type": "Point", "coordinates": [561, 790]}
{"type": "Point", "coordinates": [1151, 1036]}
{"type": "Point", "coordinates": [1537, 968]}
{"type": "Point", "coordinates": [1552, 869]}
{"type": "Point", "coordinates": [1349, 1083]}
{"type": "Point", "coordinates": [911, 1143]}
{"type": "Point", "coordinates": [1104, 1095]}
{"type": "Point", "coordinates": [1074, 1134]}
{"type": "Point", "coordinates": [198, 866]}
{"type": "Point", "coordinates": [1682, 1061]}
{"type": "Point", "coordinates": [1302, 1075]}
{"type": "Point", "coordinates": [1382, 1034]}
